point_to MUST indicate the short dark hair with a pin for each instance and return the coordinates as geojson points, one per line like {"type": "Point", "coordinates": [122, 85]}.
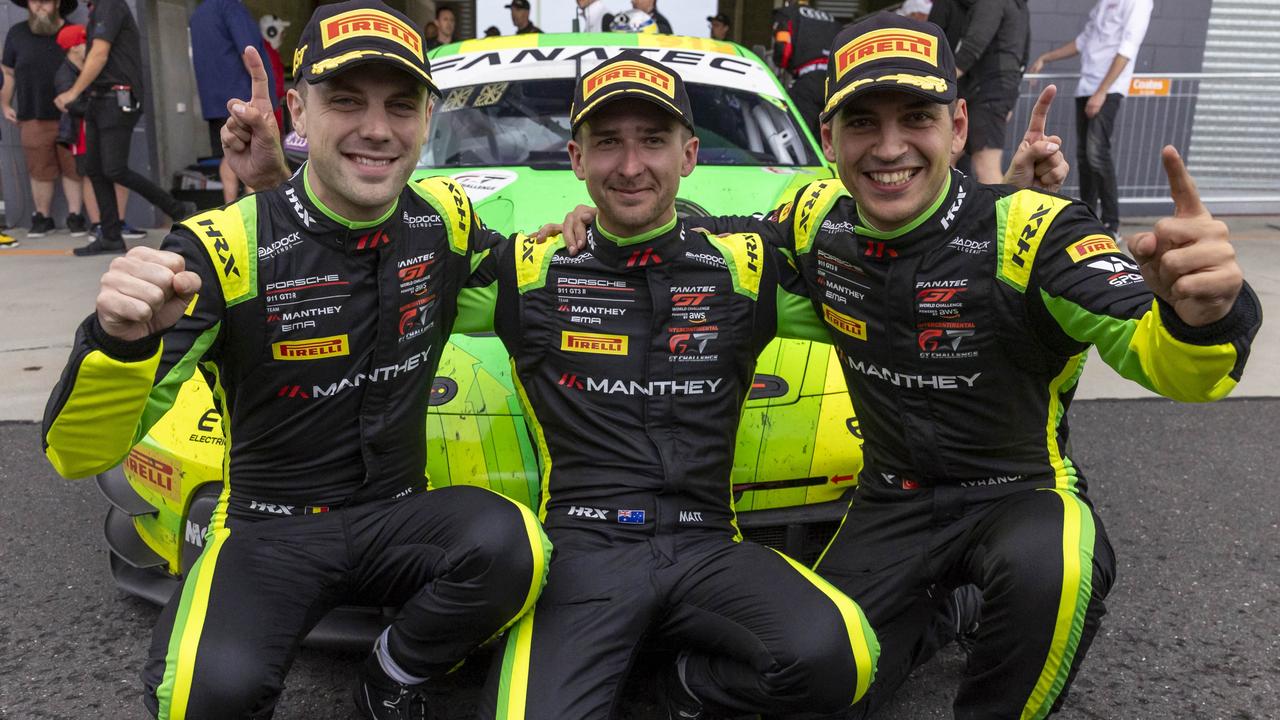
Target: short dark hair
{"type": "Point", "coordinates": [446, 8]}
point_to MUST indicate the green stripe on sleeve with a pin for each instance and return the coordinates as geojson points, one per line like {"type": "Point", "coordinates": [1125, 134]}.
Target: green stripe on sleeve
{"type": "Point", "coordinates": [1142, 349]}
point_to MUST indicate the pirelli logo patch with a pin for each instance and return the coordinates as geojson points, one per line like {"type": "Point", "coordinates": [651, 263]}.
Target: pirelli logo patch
{"type": "Point", "coordinates": [846, 324]}
{"type": "Point", "coordinates": [315, 349]}
{"type": "Point", "coordinates": [887, 43]}
{"type": "Point", "coordinates": [594, 343]}
{"type": "Point", "coordinates": [1091, 246]}
{"type": "Point", "coordinates": [369, 23]}
{"type": "Point", "coordinates": [633, 72]}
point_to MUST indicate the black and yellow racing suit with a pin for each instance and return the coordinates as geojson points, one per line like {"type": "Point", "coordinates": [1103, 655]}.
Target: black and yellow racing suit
{"type": "Point", "coordinates": [633, 361]}
{"type": "Point", "coordinates": [319, 338]}
{"type": "Point", "coordinates": [962, 338]}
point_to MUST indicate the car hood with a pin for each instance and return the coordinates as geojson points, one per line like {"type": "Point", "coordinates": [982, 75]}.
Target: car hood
{"type": "Point", "coordinates": [522, 199]}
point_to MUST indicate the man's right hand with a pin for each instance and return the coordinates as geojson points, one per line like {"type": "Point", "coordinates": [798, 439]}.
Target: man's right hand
{"type": "Point", "coordinates": [145, 292]}
{"type": "Point", "coordinates": [10, 114]}
{"type": "Point", "coordinates": [250, 137]}
{"type": "Point", "coordinates": [1036, 67]}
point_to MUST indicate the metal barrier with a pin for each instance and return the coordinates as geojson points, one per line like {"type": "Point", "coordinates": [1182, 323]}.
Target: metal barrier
{"type": "Point", "coordinates": [1220, 122]}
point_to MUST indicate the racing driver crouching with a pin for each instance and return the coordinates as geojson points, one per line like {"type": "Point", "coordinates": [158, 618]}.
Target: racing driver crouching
{"type": "Point", "coordinates": [324, 501]}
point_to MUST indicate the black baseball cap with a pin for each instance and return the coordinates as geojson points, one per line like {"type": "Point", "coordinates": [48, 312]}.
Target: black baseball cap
{"type": "Point", "coordinates": [343, 35]}
{"type": "Point", "coordinates": [518, 4]}
{"type": "Point", "coordinates": [890, 51]}
{"type": "Point", "coordinates": [720, 18]}
{"type": "Point", "coordinates": [630, 75]}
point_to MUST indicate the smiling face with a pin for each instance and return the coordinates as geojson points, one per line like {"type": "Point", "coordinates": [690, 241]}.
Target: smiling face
{"type": "Point", "coordinates": [893, 152]}
{"type": "Point", "coordinates": [632, 155]}
{"type": "Point", "coordinates": [364, 129]}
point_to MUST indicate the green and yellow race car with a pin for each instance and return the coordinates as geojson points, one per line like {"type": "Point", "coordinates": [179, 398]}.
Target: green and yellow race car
{"type": "Point", "coordinates": [500, 130]}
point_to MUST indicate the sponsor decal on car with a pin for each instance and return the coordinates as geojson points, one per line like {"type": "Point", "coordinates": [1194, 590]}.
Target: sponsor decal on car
{"type": "Point", "coordinates": [480, 185]}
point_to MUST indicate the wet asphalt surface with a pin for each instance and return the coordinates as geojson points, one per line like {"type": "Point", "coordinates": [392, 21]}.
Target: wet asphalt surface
{"type": "Point", "coordinates": [1188, 495]}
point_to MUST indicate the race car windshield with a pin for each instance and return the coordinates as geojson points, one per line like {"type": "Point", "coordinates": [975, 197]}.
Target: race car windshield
{"type": "Point", "coordinates": [526, 123]}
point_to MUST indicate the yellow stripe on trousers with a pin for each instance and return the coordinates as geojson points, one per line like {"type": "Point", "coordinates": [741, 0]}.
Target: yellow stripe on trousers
{"type": "Point", "coordinates": [1077, 590]}
{"type": "Point", "coordinates": [188, 624]}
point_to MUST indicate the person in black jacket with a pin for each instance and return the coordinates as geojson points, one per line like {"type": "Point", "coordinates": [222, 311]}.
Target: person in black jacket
{"type": "Point", "coordinates": [991, 40]}
{"type": "Point", "coordinates": [802, 38]}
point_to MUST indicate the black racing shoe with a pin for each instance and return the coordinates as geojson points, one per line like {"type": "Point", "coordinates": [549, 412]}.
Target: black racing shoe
{"type": "Point", "coordinates": [378, 697]}
{"type": "Point", "coordinates": [99, 246]}
{"type": "Point", "coordinates": [963, 609]}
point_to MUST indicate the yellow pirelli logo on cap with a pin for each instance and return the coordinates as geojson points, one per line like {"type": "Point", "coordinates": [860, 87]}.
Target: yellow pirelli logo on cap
{"type": "Point", "coordinates": [314, 349]}
{"type": "Point", "coordinates": [846, 324]}
{"type": "Point", "coordinates": [628, 71]}
{"type": "Point", "coordinates": [369, 23]}
{"type": "Point", "coordinates": [888, 43]}
{"type": "Point", "coordinates": [594, 343]}
{"type": "Point", "coordinates": [1090, 246]}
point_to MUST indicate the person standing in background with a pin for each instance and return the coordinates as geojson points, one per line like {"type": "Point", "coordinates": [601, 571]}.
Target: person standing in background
{"type": "Point", "coordinates": [446, 22]}
{"type": "Point", "coordinates": [220, 31]}
{"type": "Point", "coordinates": [991, 40]}
{"type": "Point", "coordinates": [802, 38]}
{"type": "Point", "coordinates": [1107, 48]}
{"type": "Point", "coordinates": [113, 77]}
{"type": "Point", "coordinates": [720, 26]}
{"type": "Point", "coordinates": [651, 7]}
{"type": "Point", "coordinates": [31, 57]}
{"type": "Point", "coordinates": [589, 16]}
{"type": "Point", "coordinates": [272, 29]}
{"type": "Point", "coordinates": [520, 17]}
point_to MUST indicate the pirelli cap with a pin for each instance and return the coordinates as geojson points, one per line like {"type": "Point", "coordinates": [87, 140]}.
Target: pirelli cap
{"type": "Point", "coordinates": [630, 75]}
{"type": "Point", "coordinates": [888, 51]}
{"type": "Point", "coordinates": [343, 35]}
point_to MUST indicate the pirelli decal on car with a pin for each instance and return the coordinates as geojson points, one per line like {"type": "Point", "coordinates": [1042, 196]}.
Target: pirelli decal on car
{"type": "Point", "coordinates": [229, 237]}
{"type": "Point", "coordinates": [1091, 246]}
{"type": "Point", "coordinates": [1022, 219]}
{"type": "Point", "coordinates": [887, 43]}
{"type": "Point", "coordinates": [451, 201]}
{"type": "Point", "coordinates": [314, 349]}
{"type": "Point", "coordinates": [632, 72]}
{"type": "Point", "coordinates": [369, 23]}
{"type": "Point", "coordinates": [594, 343]}
{"type": "Point", "coordinates": [846, 324]}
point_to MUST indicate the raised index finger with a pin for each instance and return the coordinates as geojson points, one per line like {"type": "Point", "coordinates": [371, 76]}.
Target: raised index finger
{"type": "Point", "coordinates": [1182, 187]}
{"type": "Point", "coordinates": [257, 74]}
{"type": "Point", "coordinates": [1040, 113]}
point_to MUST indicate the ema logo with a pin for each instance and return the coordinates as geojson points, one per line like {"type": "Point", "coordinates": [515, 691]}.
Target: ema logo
{"type": "Point", "coordinates": [888, 43]}
{"type": "Point", "coordinates": [370, 23]}
{"type": "Point", "coordinates": [633, 72]}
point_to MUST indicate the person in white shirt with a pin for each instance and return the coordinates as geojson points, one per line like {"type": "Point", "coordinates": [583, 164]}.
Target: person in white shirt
{"type": "Point", "coordinates": [590, 15]}
{"type": "Point", "coordinates": [1107, 48]}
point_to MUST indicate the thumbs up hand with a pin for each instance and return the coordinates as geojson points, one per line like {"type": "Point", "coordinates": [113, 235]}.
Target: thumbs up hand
{"type": "Point", "coordinates": [250, 137]}
{"type": "Point", "coordinates": [1188, 260]}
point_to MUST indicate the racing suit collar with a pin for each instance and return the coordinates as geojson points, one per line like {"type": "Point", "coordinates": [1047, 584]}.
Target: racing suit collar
{"type": "Point", "coordinates": [330, 228]}
{"type": "Point", "coordinates": [939, 216]}
{"type": "Point", "coordinates": [650, 248]}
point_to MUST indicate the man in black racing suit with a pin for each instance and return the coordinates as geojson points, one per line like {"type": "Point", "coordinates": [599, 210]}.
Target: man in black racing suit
{"type": "Point", "coordinates": [319, 336]}
{"type": "Point", "coordinates": [963, 314]}
{"type": "Point", "coordinates": [633, 362]}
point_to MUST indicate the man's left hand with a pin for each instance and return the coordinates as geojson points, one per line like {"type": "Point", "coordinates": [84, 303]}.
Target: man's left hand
{"type": "Point", "coordinates": [1038, 161]}
{"type": "Point", "coordinates": [1189, 261]}
{"type": "Point", "coordinates": [65, 99]}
